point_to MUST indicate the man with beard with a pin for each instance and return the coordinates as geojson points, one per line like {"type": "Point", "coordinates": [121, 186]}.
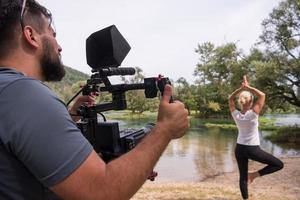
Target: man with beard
{"type": "Point", "coordinates": [43, 155]}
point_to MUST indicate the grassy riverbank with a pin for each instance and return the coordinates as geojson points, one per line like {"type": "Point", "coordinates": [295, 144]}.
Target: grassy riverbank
{"type": "Point", "coordinates": [284, 134]}
{"type": "Point", "coordinates": [228, 123]}
{"type": "Point", "coordinates": [223, 123]}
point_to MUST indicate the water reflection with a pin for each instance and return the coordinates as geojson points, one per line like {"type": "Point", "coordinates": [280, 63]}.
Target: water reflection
{"type": "Point", "coordinates": [200, 154]}
{"type": "Point", "coordinates": [203, 153]}
{"type": "Point", "coordinates": [280, 150]}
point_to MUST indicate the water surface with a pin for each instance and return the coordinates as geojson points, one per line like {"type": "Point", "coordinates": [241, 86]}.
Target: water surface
{"type": "Point", "coordinates": [204, 153]}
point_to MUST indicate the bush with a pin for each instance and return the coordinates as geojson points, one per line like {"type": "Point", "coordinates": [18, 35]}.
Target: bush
{"type": "Point", "coordinates": [286, 135]}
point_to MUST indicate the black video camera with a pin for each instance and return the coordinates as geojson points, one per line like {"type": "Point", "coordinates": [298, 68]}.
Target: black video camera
{"type": "Point", "coordinates": [105, 51]}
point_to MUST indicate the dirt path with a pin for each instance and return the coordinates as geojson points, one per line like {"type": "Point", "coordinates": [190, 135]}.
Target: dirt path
{"type": "Point", "coordinates": [283, 185]}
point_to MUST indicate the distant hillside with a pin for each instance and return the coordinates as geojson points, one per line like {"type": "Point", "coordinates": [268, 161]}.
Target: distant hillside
{"type": "Point", "coordinates": [64, 88]}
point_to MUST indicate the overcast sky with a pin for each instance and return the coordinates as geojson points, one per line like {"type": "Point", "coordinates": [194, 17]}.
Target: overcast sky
{"type": "Point", "coordinates": [163, 34]}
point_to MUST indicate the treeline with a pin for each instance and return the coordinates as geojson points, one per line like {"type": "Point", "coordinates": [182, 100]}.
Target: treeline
{"type": "Point", "coordinates": [273, 66]}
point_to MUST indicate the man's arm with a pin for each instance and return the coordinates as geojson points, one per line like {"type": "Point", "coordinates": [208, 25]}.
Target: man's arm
{"type": "Point", "coordinates": [122, 177]}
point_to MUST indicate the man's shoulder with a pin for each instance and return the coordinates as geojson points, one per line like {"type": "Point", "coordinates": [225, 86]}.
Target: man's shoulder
{"type": "Point", "coordinates": [8, 75]}
{"type": "Point", "coordinates": [11, 80]}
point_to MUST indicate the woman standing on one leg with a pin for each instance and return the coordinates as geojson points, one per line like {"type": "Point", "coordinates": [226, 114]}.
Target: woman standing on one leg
{"type": "Point", "coordinates": [248, 136]}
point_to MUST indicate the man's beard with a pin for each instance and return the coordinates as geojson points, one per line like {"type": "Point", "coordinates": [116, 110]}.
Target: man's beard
{"type": "Point", "coordinates": [52, 68]}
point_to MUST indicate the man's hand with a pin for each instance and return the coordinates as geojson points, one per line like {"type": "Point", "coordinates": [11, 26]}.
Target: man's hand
{"type": "Point", "coordinates": [81, 100]}
{"type": "Point", "coordinates": [172, 117]}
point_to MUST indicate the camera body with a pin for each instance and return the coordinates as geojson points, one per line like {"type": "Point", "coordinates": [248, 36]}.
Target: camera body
{"type": "Point", "coordinates": [110, 142]}
{"type": "Point", "coordinates": [105, 50]}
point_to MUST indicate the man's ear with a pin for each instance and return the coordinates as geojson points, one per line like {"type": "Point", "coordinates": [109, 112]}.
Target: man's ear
{"type": "Point", "coordinates": [31, 36]}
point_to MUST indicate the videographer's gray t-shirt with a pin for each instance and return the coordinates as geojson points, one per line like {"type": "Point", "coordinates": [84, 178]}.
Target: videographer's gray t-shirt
{"type": "Point", "coordinates": [40, 145]}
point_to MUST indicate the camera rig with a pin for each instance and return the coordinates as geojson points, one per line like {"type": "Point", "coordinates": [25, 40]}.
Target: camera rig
{"type": "Point", "coordinates": [105, 51]}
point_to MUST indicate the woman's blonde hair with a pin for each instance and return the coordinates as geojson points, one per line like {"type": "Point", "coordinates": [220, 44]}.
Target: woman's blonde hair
{"type": "Point", "coordinates": [245, 97]}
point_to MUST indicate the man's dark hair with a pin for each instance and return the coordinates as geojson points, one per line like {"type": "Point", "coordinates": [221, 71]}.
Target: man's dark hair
{"type": "Point", "coordinates": [11, 25]}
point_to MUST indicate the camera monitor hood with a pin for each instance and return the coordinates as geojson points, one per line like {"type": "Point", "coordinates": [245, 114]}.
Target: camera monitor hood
{"type": "Point", "coordinates": [106, 48]}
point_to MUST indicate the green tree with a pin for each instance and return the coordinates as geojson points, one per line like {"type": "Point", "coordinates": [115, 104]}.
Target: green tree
{"type": "Point", "coordinates": [184, 92]}
{"type": "Point", "coordinates": [218, 72]}
{"type": "Point", "coordinates": [280, 74]}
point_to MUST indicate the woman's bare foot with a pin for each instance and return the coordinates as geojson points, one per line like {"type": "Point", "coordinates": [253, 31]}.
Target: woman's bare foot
{"type": "Point", "coordinates": [252, 176]}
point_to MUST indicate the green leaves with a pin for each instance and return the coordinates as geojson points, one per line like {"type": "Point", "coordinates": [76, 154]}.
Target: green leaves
{"type": "Point", "coordinates": [281, 76]}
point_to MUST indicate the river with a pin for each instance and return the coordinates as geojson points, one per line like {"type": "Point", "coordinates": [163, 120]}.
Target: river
{"type": "Point", "coordinates": [204, 153]}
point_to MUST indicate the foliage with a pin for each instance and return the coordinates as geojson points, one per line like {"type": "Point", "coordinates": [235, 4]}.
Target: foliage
{"type": "Point", "coordinates": [286, 135]}
{"type": "Point", "coordinates": [218, 73]}
{"type": "Point", "coordinates": [214, 106]}
{"type": "Point", "coordinates": [185, 93]}
{"type": "Point", "coordinates": [274, 70]}
{"type": "Point", "coordinates": [282, 40]}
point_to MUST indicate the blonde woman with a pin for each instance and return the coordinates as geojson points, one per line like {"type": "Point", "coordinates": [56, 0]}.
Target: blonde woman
{"type": "Point", "coordinates": [248, 141]}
